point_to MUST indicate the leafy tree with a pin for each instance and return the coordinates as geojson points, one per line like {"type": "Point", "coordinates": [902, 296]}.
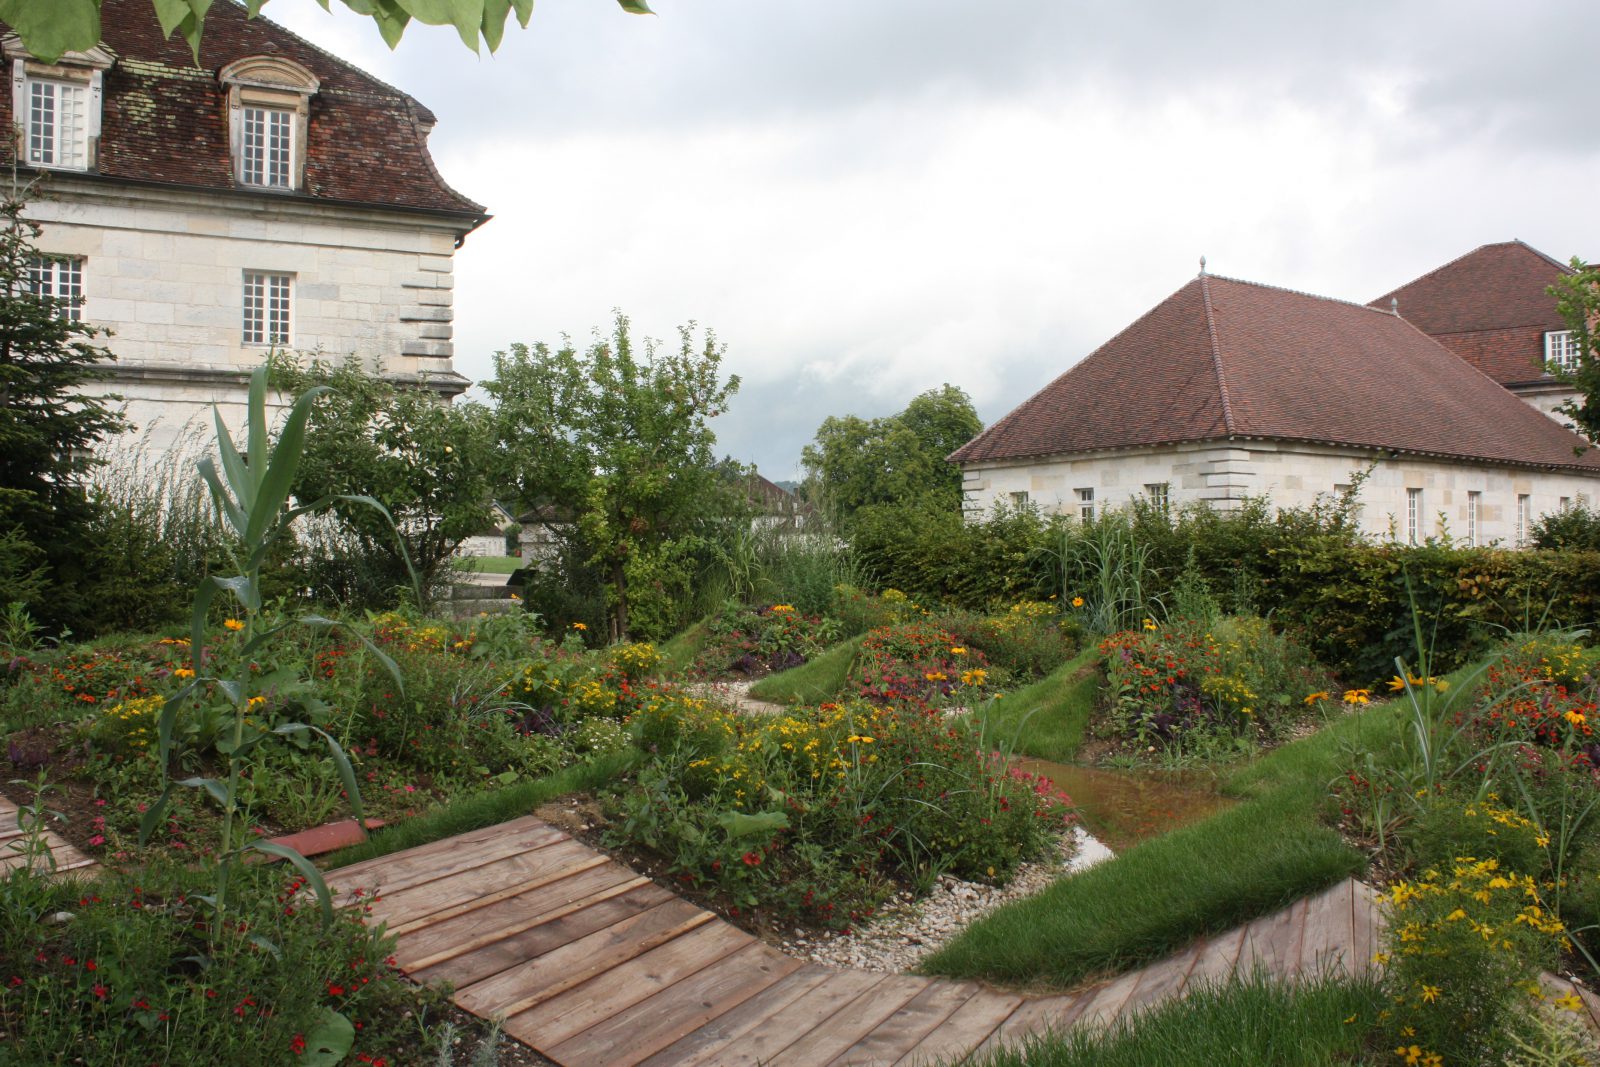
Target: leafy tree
{"type": "Point", "coordinates": [1578, 298]}
{"type": "Point", "coordinates": [426, 461]}
{"type": "Point", "coordinates": [899, 459]}
{"type": "Point", "coordinates": [614, 447]}
{"type": "Point", "coordinates": [49, 425]}
{"type": "Point", "coordinates": [49, 28]}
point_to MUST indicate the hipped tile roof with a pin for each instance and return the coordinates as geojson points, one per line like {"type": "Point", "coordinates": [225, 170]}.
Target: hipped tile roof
{"type": "Point", "coordinates": [165, 120]}
{"type": "Point", "coordinates": [1492, 307]}
{"type": "Point", "coordinates": [1224, 359]}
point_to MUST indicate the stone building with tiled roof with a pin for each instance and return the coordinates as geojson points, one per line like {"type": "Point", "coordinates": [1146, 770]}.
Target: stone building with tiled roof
{"type": "Point", "coordinates": [272, 196]}
{"type": "Point", "coordinates": [1493, 308]}
{"type": "Point", "coordinates": [1230, 389]}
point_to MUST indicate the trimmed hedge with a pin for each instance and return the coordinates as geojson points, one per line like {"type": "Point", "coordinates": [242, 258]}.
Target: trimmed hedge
{"type": "Point", "coordinates": [1346, 598]}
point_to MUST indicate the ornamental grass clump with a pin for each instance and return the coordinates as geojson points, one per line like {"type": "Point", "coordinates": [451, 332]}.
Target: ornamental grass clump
{"type": "Point", "coordinates": [1464, 947]}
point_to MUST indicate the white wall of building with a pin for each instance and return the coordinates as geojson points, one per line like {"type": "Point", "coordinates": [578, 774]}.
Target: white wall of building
{"type": "Point", "coordinates": [164, 269]}
{"type": "Point", "coordinates": [1223, 475]}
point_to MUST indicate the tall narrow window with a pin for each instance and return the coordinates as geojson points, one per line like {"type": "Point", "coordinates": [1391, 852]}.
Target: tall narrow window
{"type": "Point", "coordinates": [1523, 507]}
{"type": "Point", "coordinates": [1560, 351]}
{"type": "Point", "coordinates": [1474, 503]}
{"type": "Point", "coordinates": [1159, 494]}
{"type": "Point", "coordinates": [1019, 500]}
{"type": "Point", "coordinates": [1413, 515]}
{"type": "Point", "coordinates": [268, 147]}
{"type": "Point", "coordinates": [267, 308]}
{"type": "Point", "coordinates": [58, 124]}
{"type": "Point", "coordinates": [58, 279]}
{"type": "Point", "coordinates": [1086, 504]}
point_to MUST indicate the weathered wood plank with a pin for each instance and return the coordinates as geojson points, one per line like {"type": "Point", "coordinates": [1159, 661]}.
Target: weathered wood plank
{"type": "Point", "coordinates": [438, 942]}
{"type": "Point", "coordinates": [1329, 928]}
{"type": "Point", "coordinates": [851, 1023]}
{"type": "Point", "coordinates": [516, 989]}
{"type": "Point", "coordinates": [967, 1028]}
{"type": "Point", "coordinates": [1161, 980]}
{"type": "Point", "coordinates": [1109, 999]}
{"type": "Point", "coordinates": [1036, 1016]}
{"type": "Point", "coordinates": [1365, 923]}
{"type": "Point", "coordinates": [400, 865]}
{"type": "Point", "coordinates": [788, 1025]}
{"type": "Point", "coordinates": [907, 1027]}
{"type": "Point", "coordinates": [1271, 938]}
{"type": "Point", "coordinates": [466, 886]}
{"type": "Point", "coordinates": [543, 937]}
{"type": "Point", "coordinates": [554, 1020]}
{"type": "Point", "coordinates": [512, 888]}
{"type": "Point", "coordinates": [706, 1045]}
{"type": "Point", "coordinates": [657, 1021]}
{"type": "Point", "coordinates": [1219, 956]}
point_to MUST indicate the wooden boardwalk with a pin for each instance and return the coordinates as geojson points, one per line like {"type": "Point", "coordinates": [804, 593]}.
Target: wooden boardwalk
{"type": "Point", "coordinates": [592, 964]}
{"type": "Point", "coordinates": [13, 846]}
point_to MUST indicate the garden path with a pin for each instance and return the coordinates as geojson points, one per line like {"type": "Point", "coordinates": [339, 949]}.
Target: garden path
{"type": "Point", "coordinates": [737, 696]}
{"type": "Point", "coordinates": [13, 846]}
{"type": "Point", "coordinates": [591, 963]}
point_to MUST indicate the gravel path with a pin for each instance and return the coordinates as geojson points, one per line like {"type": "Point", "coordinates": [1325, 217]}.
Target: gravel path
{"type": "Point", "coordinates": [906, 930]}
{"type": "Point", "coordinates": [737, 696]}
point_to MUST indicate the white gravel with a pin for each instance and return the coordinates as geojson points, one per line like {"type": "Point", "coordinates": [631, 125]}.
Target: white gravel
{"type": "Point", "coordinates": [906, 930]}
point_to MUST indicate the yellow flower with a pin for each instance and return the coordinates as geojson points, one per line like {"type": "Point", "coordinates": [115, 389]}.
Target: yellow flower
{"type": "Point", "coordinates": [233, 624]}
{"type": "Point", "coordinates": [958, 651]}
{"type": "Point", "coordinates": [256, 702]}
{"type": "Point", "coordinates": [1077, 601]}
{"type": "Point", "coordinates": [1321, 694]}
{"type": "Point", "coordinates": [183, 672]}
{"type": "Point", "coordinates": [1358, 696]}
{"type": "Point", "coordinates": [1396, 684]}
{"type": "Point", "coordinates": [1569, 1002]}
{"type": "Point", "coordinates": [1149, 624]}
{"type": "Point", "coordinates": [1430, 993]}
{"type": "Point", "coordinates": [579, 626]}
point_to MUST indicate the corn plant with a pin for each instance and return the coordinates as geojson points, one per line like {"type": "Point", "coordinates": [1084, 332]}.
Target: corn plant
{"type": "Point", "coordinates": [251, 492]}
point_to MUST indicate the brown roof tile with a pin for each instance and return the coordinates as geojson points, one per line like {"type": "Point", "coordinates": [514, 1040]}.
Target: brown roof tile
{"type": "Point", "coordinates": [1222, 358]}
{"type": "Point", "coordinates": [1491, 306]}
{"type": "Point", "coordinates": [164, 119]}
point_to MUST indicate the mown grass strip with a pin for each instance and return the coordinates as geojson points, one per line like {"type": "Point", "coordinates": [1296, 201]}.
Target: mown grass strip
{"type": "Point", "coordinates": [1202, 879]}
{"type": "Point", "coordinates": [1254, 1020]}
{"type": "Point", "coordinates": [1047, 719]}
{"type": "Point", "coordinates": [485, 809]}
{"type": "Point", "coordinates": [679, 652]}
{"type": "Point", "coordinates": [821, 679]}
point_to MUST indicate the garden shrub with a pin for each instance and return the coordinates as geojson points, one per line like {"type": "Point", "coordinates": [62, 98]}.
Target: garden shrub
{"type": "Point", "coordinates": [920, 664]}
{"type": "Point", "coordinates": [1183, 685]}
{"type": "Point", "coordinates": [755, 641]}
{"type": "Point", "coordinates": [1464, 947]}
{"type": "Point", "coordinates": [820, 813]}
{"type": "Point", "coordinates": [1028, 640]}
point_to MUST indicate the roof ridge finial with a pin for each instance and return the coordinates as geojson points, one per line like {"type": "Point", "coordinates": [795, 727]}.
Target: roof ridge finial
{"type": "Point", "coordinates": [1394, 306]}
{"type": "Point", "coordinates": [1202, 266]}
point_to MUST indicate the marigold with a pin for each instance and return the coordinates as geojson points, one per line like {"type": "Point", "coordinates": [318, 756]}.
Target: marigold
{"type": "Point", "coordinates": [233, 624]}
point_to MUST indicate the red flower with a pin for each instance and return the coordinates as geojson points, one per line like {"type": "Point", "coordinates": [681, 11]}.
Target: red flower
{"type": "Point", "coordinates": [100, 991]}
{"type": "Point", "coordinates": [752, 860]}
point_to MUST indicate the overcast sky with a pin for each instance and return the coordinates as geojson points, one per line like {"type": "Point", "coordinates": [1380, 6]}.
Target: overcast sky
{"type": "Point", "coordinates": [868, 198]}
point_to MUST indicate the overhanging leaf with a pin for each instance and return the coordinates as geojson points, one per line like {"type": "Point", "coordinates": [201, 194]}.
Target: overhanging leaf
{"type": "Point", "coordinates": [49, 30]}
{"type": "Point", "coordinates": [218, 791]}
{"type": "Point", "coordinates": [341, 762]}
{"type": "Point", "coordinates": [636, 7]}
{"type": "Point", "coordinates": [739, 825]}
{"type": "Point", "coordinates": [383, 657]}
{"type": "Point", "coordinates": [312, 876]}
{"type": "Point", "coordinates": [328, 1041]}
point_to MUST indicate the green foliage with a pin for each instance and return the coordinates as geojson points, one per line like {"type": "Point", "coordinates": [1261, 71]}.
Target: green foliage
{"type": "Point", "coordinates": [1575, 527]}
{"type": "Point", "coordinates": [130, 978]}
{"type": "Point", "coordinates": [898, 460]}
{"type": "Point", "coordinates": [1578, 299]}
{"type": "Point", "coordinates": [1253, 1019]}
{"type": "Point", "coordinates": [50, 423]}
{"type": "Point", "coordinates": [50, 30]}
{"type": "Point", "coordinates": [616, 446]}
{"type": "Point", "coordinates": [427, 462]}
{"type": "Point", "coordinates": [1047, 719]}
{"type": "Point", "coordinates": [938, 557]}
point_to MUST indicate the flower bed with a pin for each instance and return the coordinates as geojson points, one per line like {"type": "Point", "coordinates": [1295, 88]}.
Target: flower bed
{"type": "Point", "coordinates": [920, 665]}
{"type": "Point", "coordinates": [751, 642]}
{"type": "Point", "coordinates": [1184, 687]}
{"type": "Point", "coordinates": [821, 812]}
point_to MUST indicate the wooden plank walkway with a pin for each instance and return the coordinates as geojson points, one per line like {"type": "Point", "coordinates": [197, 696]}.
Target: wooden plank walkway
{"type": "Point", "coordinates": [13, 841]}
{"type": "Point", "coordinates": [592, 964]}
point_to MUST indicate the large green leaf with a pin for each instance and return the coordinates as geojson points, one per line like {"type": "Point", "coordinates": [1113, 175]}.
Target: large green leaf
{"type": "Point", "coordinates": [280, 466]}
{"type": "Point", "coordinates": [55, 27]}
{"type": "Point", "coordinates": [738, 824]}
{"type": "Point", "coordinates": [494, 21]}
{"type": "Point", "coordinates": [636, 7]}
{"type": "Point", "coordinates": [224, 502]}
{"type": "Point", "coordinates": [383, 657]}
{"type": "Point", "coordinates": [312, 876]}
{"type": "Point", "coordinates": [328, 1041]}
{"type": "Point", "coordinates": [240, 482]}
{"type": "Point", "coordinates": [256, 440]}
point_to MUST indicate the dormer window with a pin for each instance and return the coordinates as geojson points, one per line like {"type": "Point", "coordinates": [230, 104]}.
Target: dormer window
{"type": "Point", "coordinates": [1560, 351]}
{"type": "Point", "coordinates": [269, 109]}
{"type": "Point", "coordinates": [57, 106]}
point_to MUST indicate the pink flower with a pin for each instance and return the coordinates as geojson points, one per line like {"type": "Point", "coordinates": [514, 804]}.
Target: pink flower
{"type": "Point", "coordinates": [97, 839]}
